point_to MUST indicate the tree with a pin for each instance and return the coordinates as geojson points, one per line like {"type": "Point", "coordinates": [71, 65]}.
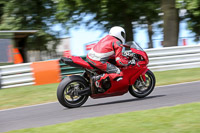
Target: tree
{"type": "Point", "coordinates": [171, 23]}
{"type": "Point", "coordinates": [192, 15]}
{"type": "Point", "coordinates": [104, 13]}
{"type": "Point", "coordinates": [29, 15]}
{"type": "Point", "coordinates": [2, 5]}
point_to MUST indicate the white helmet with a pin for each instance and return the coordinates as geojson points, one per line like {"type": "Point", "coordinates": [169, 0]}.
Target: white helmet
{"type": "Point", "coordinates": [119, 33]}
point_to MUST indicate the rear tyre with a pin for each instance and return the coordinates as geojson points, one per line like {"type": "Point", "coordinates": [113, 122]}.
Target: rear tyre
{"type": "Point", "coordinates": [141, 89]}
{"type": "Point", "coordinates": [67, 91]}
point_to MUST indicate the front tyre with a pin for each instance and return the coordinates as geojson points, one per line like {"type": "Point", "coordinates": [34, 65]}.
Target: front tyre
{"type": "Point", "coordinates": [142, 89]}
{"type": "Point", "coordinates": [67, 91]}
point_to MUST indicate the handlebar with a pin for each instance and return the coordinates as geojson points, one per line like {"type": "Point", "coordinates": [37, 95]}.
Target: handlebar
{"type": "Point", "coordinates": [130, 55]}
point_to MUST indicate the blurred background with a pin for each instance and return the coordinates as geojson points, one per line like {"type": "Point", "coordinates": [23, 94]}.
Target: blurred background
{"type": "Point", "coordinates": [37, 30]}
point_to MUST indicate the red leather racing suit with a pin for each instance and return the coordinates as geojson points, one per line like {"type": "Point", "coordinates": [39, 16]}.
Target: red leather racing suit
{"type": "Point", "coordinates": [102, 51]}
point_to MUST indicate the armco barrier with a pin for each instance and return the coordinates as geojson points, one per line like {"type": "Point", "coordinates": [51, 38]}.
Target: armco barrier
{"type": "Point", "coordinates": [16, 75]}
{"type": "Point", "coordinates": [17, 80]}
{"type": "Point", "coordinates": [45, 72]}
{"type": "Point", "coordinates": [172, 58]}
{"type": "Point", "coordinates": [36, 73]}
{"type": "Point", "coordinates": [161, 59]}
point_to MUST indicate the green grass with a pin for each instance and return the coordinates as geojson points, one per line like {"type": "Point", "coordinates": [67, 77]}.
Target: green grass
{"type": "Point", "coordinates": [30, 95]}
{"type": "Point", "coordinates": [177, 76]}
{"type": "Point", "coordinates": [27, 95]}
{"type": "Point", "coordinates": [177, 119]}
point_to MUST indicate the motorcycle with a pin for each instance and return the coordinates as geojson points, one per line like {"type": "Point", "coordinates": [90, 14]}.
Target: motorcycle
{"type": "Point", "coordinates": [73, 91]}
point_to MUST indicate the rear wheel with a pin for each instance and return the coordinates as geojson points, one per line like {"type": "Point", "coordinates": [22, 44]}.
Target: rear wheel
{"type": "Point", "coordinates": [142, 89]}
{"type": "Point", "coordinates": [67, 92]}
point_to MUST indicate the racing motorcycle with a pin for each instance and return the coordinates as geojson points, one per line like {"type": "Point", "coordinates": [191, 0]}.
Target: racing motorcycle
{"type": "Point", "coordinates": [73, 91]}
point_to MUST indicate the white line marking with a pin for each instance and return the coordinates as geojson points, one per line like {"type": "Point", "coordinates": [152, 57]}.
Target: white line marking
{"type": "Point", "coordinates": [27, 106]}
{"type": "Point", "coordinates": [177, 84]}
{"type": "Point", "coordinates": [56, 102]}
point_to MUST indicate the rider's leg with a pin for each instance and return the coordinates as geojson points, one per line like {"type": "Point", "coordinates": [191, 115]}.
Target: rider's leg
{"type": "Point", "coordinates": [113, 73]}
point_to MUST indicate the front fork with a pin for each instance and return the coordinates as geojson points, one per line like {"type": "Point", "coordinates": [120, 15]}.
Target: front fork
{"type": "Point", "coordinates": [139, 75]}
{"type": "Point", "coordinates": [143, 77]}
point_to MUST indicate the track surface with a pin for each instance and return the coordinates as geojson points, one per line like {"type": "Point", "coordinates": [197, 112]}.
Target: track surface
{"type": "Point", "coordinates": [52, 113]}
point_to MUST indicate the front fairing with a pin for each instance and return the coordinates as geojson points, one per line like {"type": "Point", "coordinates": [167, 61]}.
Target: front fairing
{"type": "Point", "coordinates": [142, 53]}
{"type": "Point", "coordinates": [135, 48]}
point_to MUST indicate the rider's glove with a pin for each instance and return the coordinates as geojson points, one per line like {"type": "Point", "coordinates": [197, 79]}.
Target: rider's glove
{"type": "Point", "coordinates": [131, 62]}
{"type": "Point", "coordinates": [126, 53]}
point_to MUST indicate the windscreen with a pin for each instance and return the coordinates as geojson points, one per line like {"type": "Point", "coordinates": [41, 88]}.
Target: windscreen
{"type": "Point", "coordinates": [134, 45]}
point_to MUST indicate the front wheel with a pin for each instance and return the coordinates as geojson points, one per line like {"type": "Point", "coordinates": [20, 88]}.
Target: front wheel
{"type": "Point", "coordinates": [67, 91]}
{"type": "Point", "coordinates": [142, 89]}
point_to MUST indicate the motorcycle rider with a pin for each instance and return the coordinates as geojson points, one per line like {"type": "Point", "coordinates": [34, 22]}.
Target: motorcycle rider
{"type": "Point", "coordinates": [107, 47]}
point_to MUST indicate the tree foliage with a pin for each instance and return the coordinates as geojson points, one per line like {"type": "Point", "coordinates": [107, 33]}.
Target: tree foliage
{"type": "Point", "coordinates": [103, 14]}
{"type": "Point", "coordinates": [29, 15]}
{"type": "Point", "coordinates": [192, 15]}
{"type": "Point", "coordinates": [106, 13]}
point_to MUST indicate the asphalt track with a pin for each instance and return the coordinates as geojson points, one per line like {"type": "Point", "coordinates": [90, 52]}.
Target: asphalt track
{"type": "Point", "coordinates": [53, 113]}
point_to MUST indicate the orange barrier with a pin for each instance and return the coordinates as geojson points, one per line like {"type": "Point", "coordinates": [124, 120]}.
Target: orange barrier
{"type": "Point", "coordinates": [17, 56]}
{"type": "Point", "coordinates": [46, 72]}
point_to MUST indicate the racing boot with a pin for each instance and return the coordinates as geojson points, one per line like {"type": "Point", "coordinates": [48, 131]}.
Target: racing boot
{"type": "Point", "coordinates": [97, 81]}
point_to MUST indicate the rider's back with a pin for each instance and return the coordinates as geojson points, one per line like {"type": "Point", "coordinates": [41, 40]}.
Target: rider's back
{"type": "Point", "coordinates": [103, 49]}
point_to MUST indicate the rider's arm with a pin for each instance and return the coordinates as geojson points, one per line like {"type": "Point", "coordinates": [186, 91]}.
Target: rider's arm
{"type": "Point", "coordinates": [120, 59]}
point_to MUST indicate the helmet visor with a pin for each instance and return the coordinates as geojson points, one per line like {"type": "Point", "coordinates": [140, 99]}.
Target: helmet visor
{"type": "Point", "coordinates": [123, 34]}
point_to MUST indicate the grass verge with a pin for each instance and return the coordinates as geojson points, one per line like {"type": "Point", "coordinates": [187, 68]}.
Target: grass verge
{"type": "Point", "coordinates": [177, 119]}
{"type": "Point", "coordinates": [27, 95]}
{"type": "Point", "coordinates": [30, 95]}
{"type": "Point", "coordinates": [177, 76]}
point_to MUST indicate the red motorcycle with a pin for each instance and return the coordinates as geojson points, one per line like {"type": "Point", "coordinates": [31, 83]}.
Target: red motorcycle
{"type": "Point", "coordinates": [73, 91]}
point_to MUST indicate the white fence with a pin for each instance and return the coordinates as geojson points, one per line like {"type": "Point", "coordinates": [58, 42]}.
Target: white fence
{"type": "Point", "coordinates": [161, 59]}
{"type": "Point", "coordinates": [16, 75]}
{"type": "Point", "coordinates": [172, 58]}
